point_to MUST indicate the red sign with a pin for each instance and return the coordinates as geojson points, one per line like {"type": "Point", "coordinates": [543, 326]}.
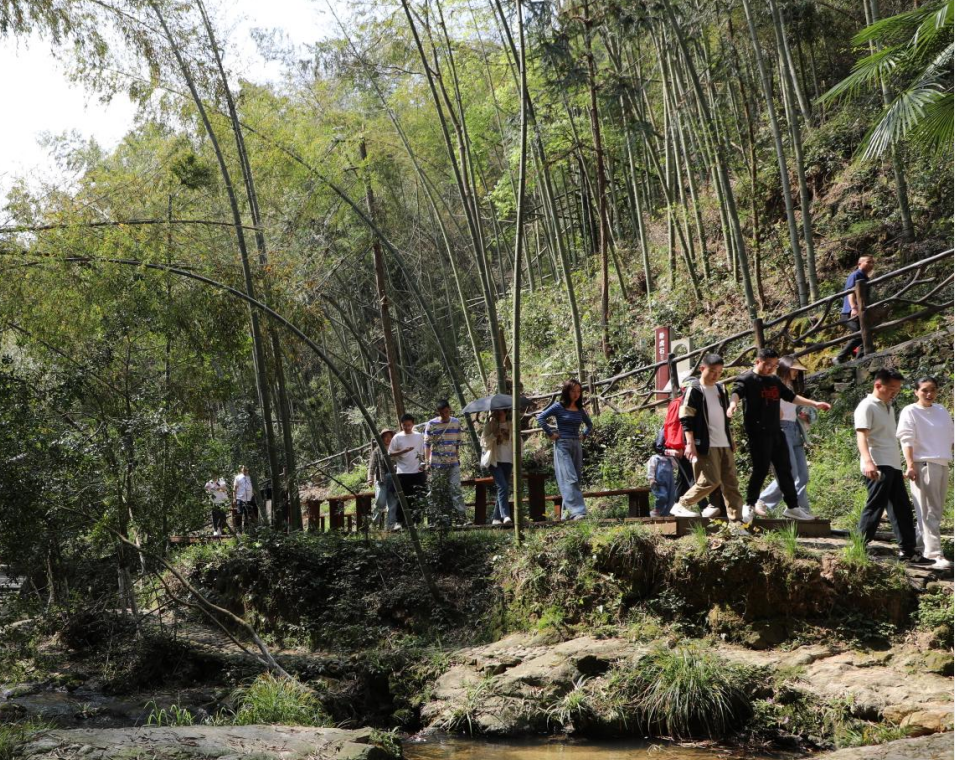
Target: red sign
{"type": "Point", "coordinates": [661, 350]}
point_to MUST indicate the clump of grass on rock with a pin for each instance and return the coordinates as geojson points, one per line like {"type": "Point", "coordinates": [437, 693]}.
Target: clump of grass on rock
{"type": "Point", "coordinates": [682, 692]}
{"type": "Point", "coordinates": [274, 700]}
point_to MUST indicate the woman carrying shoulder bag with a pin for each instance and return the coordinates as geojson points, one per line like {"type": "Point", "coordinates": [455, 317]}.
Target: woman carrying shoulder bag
{"type": "Point", "coordinates": [499, 458]}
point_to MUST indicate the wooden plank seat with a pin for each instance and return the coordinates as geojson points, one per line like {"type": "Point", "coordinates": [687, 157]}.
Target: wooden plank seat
{"type": "Point", "coordinates": [638, 500]}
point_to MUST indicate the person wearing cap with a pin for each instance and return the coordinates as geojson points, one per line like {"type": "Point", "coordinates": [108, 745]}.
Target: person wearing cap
{"type": "Point", "coordinates": [793, 418]}
{"type": "Point", "coordinates": [379, 477]}
{"type": "Point", "coordinates": [761, 391]}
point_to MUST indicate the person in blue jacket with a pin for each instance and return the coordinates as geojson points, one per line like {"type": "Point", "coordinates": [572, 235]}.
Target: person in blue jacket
{"type": "Point", "coordinates": [570, 414]}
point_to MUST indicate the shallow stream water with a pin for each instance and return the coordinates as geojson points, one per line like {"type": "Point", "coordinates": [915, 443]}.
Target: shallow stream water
{"type": "Point", "coordinates": [454, 748]}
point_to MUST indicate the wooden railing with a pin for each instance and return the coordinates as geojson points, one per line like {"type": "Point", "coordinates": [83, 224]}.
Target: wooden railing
{"type": "Point", "coordinates": [920, 290]}
{"type": "Point", "coordinates": [338, 518]}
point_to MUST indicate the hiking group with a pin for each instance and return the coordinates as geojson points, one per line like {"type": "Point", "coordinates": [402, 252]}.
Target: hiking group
{"type": "Point", "coordinates": [693, 472]}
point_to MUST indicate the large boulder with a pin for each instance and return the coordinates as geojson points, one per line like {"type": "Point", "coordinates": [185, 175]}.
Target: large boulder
{"type": "Point", "coordinates": [935, 747]}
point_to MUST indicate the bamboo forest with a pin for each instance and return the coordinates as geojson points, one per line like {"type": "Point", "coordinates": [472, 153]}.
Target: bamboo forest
{"type": "Point", "coordinates": [372, 393]}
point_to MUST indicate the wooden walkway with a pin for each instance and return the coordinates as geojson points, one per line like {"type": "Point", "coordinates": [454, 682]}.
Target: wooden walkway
{"type": "Point", "coordinates": [673, 527]}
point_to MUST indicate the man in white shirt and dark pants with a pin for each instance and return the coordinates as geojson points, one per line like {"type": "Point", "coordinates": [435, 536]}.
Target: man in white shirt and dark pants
{"type": "Point", "coordinates": [881, 463]}
{"type": "Point", "coordinates": [243, 499]}
{"type": "Point", "coordinates": [407, 451]}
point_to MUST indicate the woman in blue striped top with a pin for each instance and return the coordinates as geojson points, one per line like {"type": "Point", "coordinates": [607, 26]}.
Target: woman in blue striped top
{"type": "Point", "coordinates": [568, 451]}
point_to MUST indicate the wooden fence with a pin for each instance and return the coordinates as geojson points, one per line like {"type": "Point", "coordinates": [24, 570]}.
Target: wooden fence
{"type": "Point", "coordinates": [913, 292]}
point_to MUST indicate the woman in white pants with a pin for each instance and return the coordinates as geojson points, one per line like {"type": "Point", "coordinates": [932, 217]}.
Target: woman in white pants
{"type": "Point", "coordinates": [925, 432]}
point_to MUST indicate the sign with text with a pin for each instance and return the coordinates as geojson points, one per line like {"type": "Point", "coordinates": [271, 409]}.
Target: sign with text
{"type": "Point", "coordinates": [661, 352]}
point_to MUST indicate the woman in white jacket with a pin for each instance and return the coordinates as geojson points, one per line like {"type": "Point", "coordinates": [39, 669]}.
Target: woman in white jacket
{"type": "Point", "coordinates": [499, 458]}
{"type": "Point", "coordinates": [925, 432]}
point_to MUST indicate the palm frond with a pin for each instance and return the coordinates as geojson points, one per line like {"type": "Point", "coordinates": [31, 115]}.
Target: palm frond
{"type": "Point", "coordinates": [895, 29]}
{"type": "Point", "coordinates": [902, 115]}
{"type": "Point", "coordinates": [936, 131]}
{"type": "Point", "coordinates": [942, 61]}
{"type": "Point", "coordinates": [935, 28]}
{"type": "Point", "coordinates": [867, 70]}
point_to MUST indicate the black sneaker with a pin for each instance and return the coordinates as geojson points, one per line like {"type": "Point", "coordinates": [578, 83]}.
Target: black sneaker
{"type": "Point", "coordinates": [915, 559]}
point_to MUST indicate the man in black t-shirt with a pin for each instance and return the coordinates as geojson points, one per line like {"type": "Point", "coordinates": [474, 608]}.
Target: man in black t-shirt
{"type": "Point", "coordinates": [761, 391]}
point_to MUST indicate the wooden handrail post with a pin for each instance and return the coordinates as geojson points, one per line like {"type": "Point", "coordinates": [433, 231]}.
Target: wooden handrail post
{"type": "Point", "coordinates": [862, 297]}
{"type": "Point", "coordinates": [480, 503]}
{"type": "Point", "coordinates": [535, 495]}
{"type": "Point", "coordinates": [674, 375]}
{"type": "Point", "coordinates": [758, 333]}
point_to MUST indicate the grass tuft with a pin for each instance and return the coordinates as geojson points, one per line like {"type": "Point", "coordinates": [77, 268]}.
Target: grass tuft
{"type": "Point", "coordinates": [271, 701]}
{"type": "Point", "coordinates": [690, 692]}
{"type": "Point", "coordinates": [787, 539]}
{"type": "Point", "coordinates": [174, 716]}
{"type": "Point", "coordinates": [854, 552]}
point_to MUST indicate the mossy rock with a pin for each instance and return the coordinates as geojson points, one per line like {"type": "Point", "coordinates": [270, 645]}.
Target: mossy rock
{"type": "Point", "coordinates": [942, 663]}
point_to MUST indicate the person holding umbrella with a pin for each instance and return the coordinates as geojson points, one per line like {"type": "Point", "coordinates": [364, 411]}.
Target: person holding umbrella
{"type": "Point", "coordinates": [496, 442]}
{"type": "Point", "coordinates": [570, 414]}
{"type": "Point", "coordinates": [498, 456]}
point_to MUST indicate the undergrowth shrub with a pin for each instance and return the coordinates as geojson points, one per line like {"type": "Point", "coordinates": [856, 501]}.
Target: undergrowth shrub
{"type": "Point", "coordinates": [341, 592]}
{"type": "Point", "coordinates": [580, 574]}
{"type": "Point", "coordinates": [935, 613]}
{"type": "Point", "coordinates": [13, 737]}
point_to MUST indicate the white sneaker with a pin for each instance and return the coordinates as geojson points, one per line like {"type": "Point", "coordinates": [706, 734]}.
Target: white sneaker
{"type": "Point", "coordinates": [495, 521]}
{"type": "Point", "coordinates": [654, 513]}
{"type": "Point", "coordinates": [579, 516]}
{"type": "Point", "coordinates": [507, 521]}
{"type": "Point", "coordinates": [747, 514]}
{"type": "Point", "coordinates": [216, 534]}
{"type": "Point", "coordinates": [942, 564]}
{"type": "Point", "coordinates": [397, 528]}
{"type": "Point", "coordinates": [680, 511]}
{"type": "Point", "coordinates": [797, 514]}
{"type": "Point", "coordinates": [761, 509]}
{"type": "Point", "coordinates": [712, 511]}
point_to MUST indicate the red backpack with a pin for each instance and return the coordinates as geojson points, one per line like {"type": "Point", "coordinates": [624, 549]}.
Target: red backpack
{"type": "Point", "coordinates": [672, 429]}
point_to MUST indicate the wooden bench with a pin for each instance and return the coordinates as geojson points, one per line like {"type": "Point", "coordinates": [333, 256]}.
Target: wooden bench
{"type": "Point", "coordinates": [337, 519]}
{"type": "Point", "coordinates": [535, 496]}
{"type": "Point", "coordinates": [638, 500]}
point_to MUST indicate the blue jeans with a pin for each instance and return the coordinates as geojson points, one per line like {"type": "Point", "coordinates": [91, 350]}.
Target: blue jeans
{"type": "Point", "coordinates": [502, 479]}
{"type": "Point", "coordinates": [568, 467]}
{"type": "Point", "coordinates": [773, 494]}
{"type": "Point", "coordinates": [664, 487]}
{"type": "Point", "coordinates": [386, 502]}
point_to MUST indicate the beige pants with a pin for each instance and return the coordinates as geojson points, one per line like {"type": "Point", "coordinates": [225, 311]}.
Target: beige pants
{"type": "Point", "coordinates": [928, 496]}
{"type": "Point", "coordinates": [716, 469]}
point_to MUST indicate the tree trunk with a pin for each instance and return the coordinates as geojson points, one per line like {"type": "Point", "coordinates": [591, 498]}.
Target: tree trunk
{"type": "Point", "coordinates": [381, 286]}
{"type": "Point", "coordinates": [800, 270]}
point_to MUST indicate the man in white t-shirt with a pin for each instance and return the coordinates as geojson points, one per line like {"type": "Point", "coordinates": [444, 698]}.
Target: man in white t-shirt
{"type": "Point", "coordinates": [219, 494]}
{"type": "Point", "coordinates": [407, 451]}
{"type": "Point", "coordinates": [243, 499]}
{"type": "Point", "coordinates": [709, 444]}
{"type": "Point", "coordinates": [881, 464]}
